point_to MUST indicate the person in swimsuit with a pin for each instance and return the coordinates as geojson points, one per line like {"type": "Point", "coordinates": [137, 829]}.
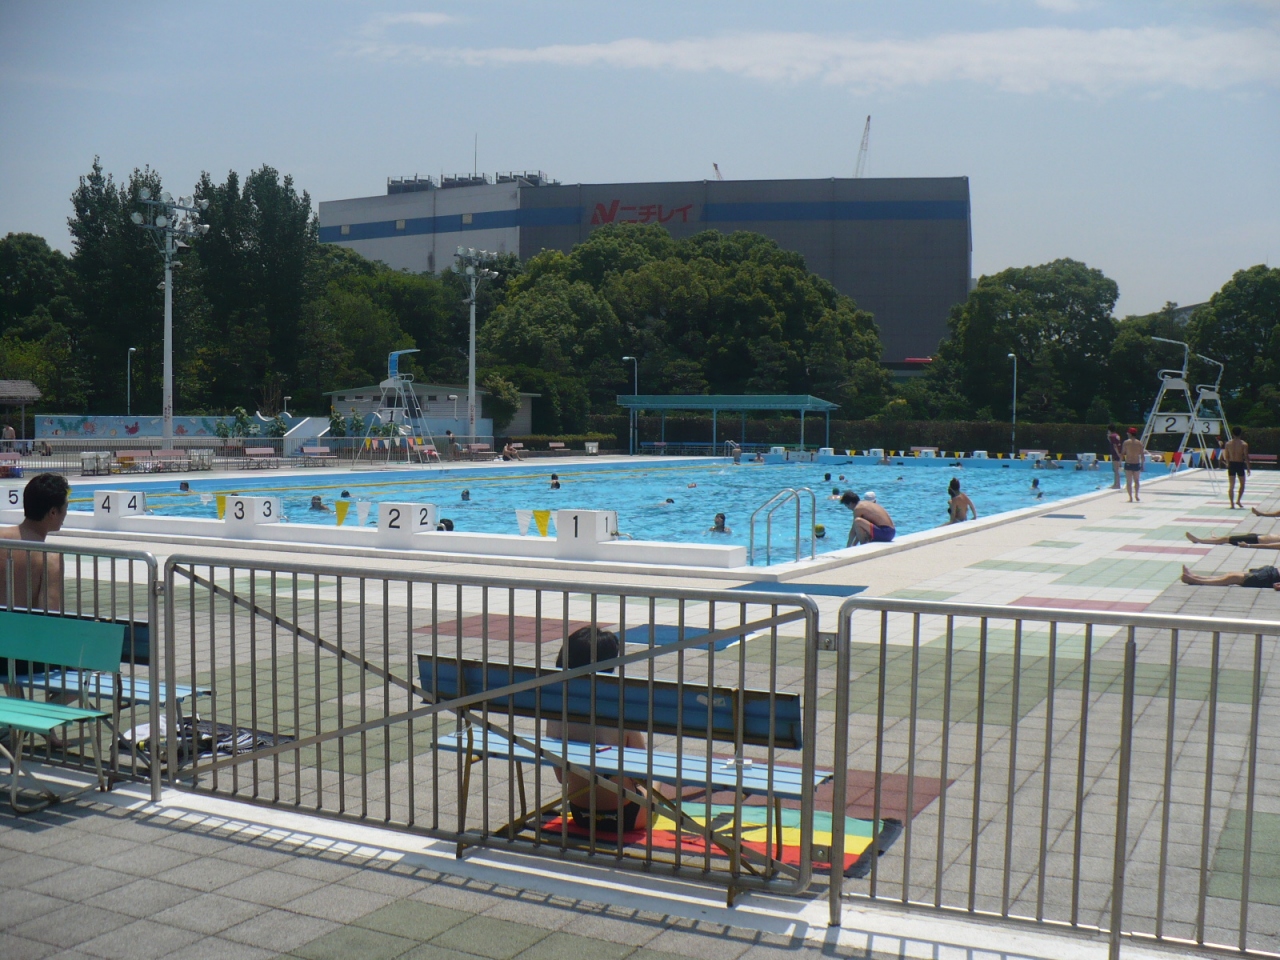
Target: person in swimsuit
{"type": "Point", "coordinates": [1239, 540]}
{"type": "Point", "coordinates": [1236, 454]}
{"type": "Point", "coordinates": [871, 522]}
{"type": "Point", "coordinates": [718, 526]}
{"type": "Point", "coordinates": [589, 645]}
{"type": "Point", "coordinates": [1114, 442]}
{"type": "Point", "coordinates": [1134, 454]}
{"type": "Point", "coordinates": [960, 506]}
{"type": "Point", "coordinates": [1259, 577]}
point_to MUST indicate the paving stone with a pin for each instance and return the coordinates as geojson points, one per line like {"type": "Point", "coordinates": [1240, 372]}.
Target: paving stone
{"type": "Point", "coordinates": [279, 930]}
{"type": "Point", "coordinates": [71, 925]}
{"type": "Point", "coordinates": [531, 914]}
{"type": "Point", "coordinates": [140, 940]}
{"type": "Point", "coordinates": [318, 868]}
{"type": "Point", "coordinates": [20, 905]}
{"type": "Point", "coordinates": [342, 904]}
{"type": "Point", "coordinates": [146, 860]}
{"type": "Point", "coordinates": [207, 873]}
{"type": "Point", "coordinates": [685, 944]}
{"type": "Point", "coordinates": [487, 937]}
{"type": "Point", "coordinates": [632, 931]}
{"type": "Point", "coordinates": [82, 848]}
{"type": "Point", "coordinates": [208, 913]}
{"type": "Point", "coordinates": [566, 946]}
{"type": "Point", "coordinates": [270, 887]}
{"type": "Point", "coordinates": [142, 898]}
{"type": "Point", "coordinates": [354, 941]}
{"type": "Point", "coordinates": [27, 868]}
{"type": "Point", "coordinates": [81, 882]}
{"type": "Point", "coordinates": [14, 947]}
{"type": "Point", "coordinates": [381, 881]}
{"type": "Point", "coordinates": [414, 921]}
{"type": "Point", "coordinates": [216, 948]}
{"type": "Point", "coordinates": [429, 951]}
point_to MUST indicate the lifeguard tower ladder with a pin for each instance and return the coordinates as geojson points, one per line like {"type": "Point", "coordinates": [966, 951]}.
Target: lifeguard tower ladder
{"type": "Point", "coordinates": [400, 407]}
{"type": "Point", "coordinates": [1192, 419]}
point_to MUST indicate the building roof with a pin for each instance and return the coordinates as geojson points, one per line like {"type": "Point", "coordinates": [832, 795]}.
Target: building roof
{"type": "Point", "coordinates": [764, 401]}
{"type": "Point", "coordinates": [14, 392]}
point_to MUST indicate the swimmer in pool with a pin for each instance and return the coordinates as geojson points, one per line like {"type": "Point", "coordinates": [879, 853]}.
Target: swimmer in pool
{"type": "Point", "coordinates": [835, 494]}
{"type": "Point", "coordinates": [466, 495]}
{"type": "Point", "coordinates": [345, 495]}
{"type": "Point", "coordinates": [959, 506]}
{"type": "Point", "coordinates": [1035, 489]}
{"type": "Point", "coordinates": [184, 487]}
{"type": "Point", "coordinates": [718, 526]}
{"type": "Point", "coordinates": [445, 526]}
{"type": "Point", "coordinates": [318, 504]}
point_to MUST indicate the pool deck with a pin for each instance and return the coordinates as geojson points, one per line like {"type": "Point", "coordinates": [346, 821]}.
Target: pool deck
{"type": "Point", "coordinates": [197, 876]}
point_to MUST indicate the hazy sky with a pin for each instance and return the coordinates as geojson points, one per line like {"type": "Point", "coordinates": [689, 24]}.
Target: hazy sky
{"type": "Point", "coordinates": [1140, 137]}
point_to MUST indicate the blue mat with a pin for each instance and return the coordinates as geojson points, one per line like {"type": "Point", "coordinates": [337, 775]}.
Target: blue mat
{"type": "Point", "coordinates": [813, 589]}
{"type": "Point", "coordinates": [1064, 516]}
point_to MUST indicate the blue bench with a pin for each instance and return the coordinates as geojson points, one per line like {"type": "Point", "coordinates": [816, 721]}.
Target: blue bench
{"type": "Point", "coordinates": [723, 714]}
{"type": "Point", "coordinates": [86, 646]}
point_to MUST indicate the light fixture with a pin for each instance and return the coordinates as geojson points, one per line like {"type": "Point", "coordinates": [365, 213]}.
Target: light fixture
{"type": "Point", "coordinates": [474, 266]}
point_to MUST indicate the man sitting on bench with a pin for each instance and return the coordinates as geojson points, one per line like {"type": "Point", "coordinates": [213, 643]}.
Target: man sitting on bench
{"type": "Point", "coordinates": [584, 646]}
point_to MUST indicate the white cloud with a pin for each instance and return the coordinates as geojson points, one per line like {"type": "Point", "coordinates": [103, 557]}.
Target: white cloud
{"type": "Point", "coordinates": [1025, 60]}
{"type": "Point", "coordinates": [380, 23]}
{"type": "Point", "coordinates": [1063, 6]}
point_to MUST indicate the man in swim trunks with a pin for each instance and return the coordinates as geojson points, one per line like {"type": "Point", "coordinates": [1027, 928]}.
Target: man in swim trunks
{"type": "Point", "coordinates": [1240, 540]}
{"type": "Point", "coordinates": [1260, 577]}
{"type": "Point", "coordinates": [871, 522]}
{"type": "Point", "coordinates": [1134, 455]}
{"type": "Point", "coordinates": [1236, 454]}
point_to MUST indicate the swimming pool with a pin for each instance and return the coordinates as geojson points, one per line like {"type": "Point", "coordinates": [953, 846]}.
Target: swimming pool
{"type": "Point", "coordinates": [674, 502]}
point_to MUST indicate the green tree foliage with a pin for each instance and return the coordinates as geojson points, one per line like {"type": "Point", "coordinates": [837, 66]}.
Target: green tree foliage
{"type": "Point", "coordinates": [1056, 318]}
{"type": "Point", "coordinates": [502, 402]}
{"type": "Point", "coordinates": [710, 314]}
{"type": "Point", "coordinates": [1240, 326]}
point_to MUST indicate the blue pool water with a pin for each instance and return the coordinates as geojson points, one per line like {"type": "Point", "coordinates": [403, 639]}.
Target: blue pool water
{"type": "Point", "coordinates": [914, 493]}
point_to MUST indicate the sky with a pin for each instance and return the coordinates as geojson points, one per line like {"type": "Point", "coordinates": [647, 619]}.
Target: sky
{"type": "Point", "coordinates": [1141, 137]}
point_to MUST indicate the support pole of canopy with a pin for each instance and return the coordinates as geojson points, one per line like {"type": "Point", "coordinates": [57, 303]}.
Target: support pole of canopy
{"type": "Point", "coordinates": [713, 429]}
{"type": "Point", "coordinates": [744, 428]}
{"type": "Point", "coordinates": [827, 441]}
{"type": "Point", "coordinates": [664, 431]}
{"type": "Point", "coordinates": [802, 428]}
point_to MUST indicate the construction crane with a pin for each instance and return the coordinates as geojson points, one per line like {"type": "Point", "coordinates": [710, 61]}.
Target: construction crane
{"type": "Point", "coordinates": [861, 168]}
{"type": "Point", "coordinates": [716, 167]}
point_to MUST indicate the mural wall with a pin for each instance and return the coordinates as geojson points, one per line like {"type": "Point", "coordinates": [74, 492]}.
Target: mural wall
{"type": "Point", "coordinates": [125, 428]}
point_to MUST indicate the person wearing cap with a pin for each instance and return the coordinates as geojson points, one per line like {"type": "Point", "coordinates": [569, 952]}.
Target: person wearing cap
{"type": "Point", "coordinates": [871, 522]}
{"type": "Point", "coordinates": [1135, 455]}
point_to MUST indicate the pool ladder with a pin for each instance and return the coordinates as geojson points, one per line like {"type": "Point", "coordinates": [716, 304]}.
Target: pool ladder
{"type": "Point", "coordinates": [770, 507]}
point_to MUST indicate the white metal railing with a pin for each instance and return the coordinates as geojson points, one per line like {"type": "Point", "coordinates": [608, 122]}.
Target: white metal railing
{"type": "Point", "coordinates": [769, 508]}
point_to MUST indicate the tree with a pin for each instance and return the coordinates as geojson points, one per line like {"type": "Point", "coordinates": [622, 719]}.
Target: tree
{"type": "Point", "coordinates": [1240, 327]}
{"type": "Point", "coordinates": [502, 402]}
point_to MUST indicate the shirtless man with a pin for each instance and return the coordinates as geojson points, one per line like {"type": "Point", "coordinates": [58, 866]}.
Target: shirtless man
{"type": "Point", "coordinates": [36, 577]}
{"type": "Point", "coordinates": [1134, 455]}
{"type": "Point", "coordinates": [1236, 453]}
{"type": "Point", "coordinates": [1239, 540]}
{"type": "Point", "coordinates": [1260, 577]}
{"type": "Point", "coordinates": [960, 506]}
{"type": "Point", "coordinates": [871, 522]}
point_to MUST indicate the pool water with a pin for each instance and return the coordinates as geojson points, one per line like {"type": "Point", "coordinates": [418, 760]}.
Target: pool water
{"type": "Point", "coordinates": [676, 502]}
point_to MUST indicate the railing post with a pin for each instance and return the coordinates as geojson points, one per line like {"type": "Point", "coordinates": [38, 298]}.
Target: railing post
{"type": "Point", "coordinates": [1122, 796]}
{"type": "Point", "coordinates": [839, 763]}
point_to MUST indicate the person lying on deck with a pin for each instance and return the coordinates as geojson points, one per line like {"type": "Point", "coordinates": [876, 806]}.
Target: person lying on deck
{"type": "Point", "coordinates": [1260, 577]}
{"type": "Point", "coordinates": [583, 646]}
{"type": "Point", "coordinates": [1266, 540]}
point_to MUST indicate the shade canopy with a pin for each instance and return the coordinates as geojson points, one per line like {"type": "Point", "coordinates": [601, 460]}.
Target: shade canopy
{"type": "Point", "coordinates": [743, 402]}
{"type": "Point", "coordinates": [16, 393]}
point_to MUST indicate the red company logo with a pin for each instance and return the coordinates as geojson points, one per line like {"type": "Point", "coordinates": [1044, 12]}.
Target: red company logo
{"type": "Point", "coordinates": [640, 213]}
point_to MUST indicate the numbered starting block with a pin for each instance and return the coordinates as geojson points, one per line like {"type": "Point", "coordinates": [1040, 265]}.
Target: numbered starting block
{"type": "Point", "coordinates": [110, 506]}
{"type": "Point", "coordinates": [578, 531]}
{"type": "Point", "coordinates": [242, 514]}
{"type": "Point", "coordinates": [398, 522]}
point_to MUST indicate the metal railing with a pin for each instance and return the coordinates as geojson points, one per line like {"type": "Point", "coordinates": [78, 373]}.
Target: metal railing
{"type": "Point", "coordinates": [118, 586]}
{"type": "Point", "coordinates": [1095, 771]}
{"type": "Point", "coordinates": [327, 683]}
{"type": "Point", "coordinates": [770, 507]}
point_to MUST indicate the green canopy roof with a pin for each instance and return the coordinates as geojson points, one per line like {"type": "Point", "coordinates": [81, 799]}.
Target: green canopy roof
{"type": "Point", "coordinates": [770, 401]}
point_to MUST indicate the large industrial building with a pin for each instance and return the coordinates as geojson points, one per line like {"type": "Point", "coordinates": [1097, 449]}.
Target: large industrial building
{"type": "Point", "coordinates": [900, 247]}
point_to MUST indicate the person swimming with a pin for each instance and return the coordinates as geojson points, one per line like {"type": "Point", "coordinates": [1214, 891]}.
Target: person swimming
{"type": "Point", "coordinates": [184, 487]}
{"type": "Point", "coordinates": [317, 503]}
{"type": "Point", "coordinates": [959, 506]}
{"type": "Point", "coordinates": [466, 495]}
{"type": "Point", "coordinates": [345, 495]}
{"type": "Point", "coordinates": [555, 481]}
{"type": "Point", "coordinates": [1035, 489]}
{"type": "Point", "coordinates": [718, 525]}
{"type": "Point", "coordinates": [445, 525]}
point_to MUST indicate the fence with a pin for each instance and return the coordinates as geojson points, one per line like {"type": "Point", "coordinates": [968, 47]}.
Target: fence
{"type": "Point", "coordinates": [1087, 770]}
{"type": "Point", "coordinates": [109, 585]}
{"type": "Point", "coordinates": [432, 704]}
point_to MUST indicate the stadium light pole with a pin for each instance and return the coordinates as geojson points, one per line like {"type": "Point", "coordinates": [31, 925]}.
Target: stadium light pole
{"type": "Point", "coordinates": [474, 267]}
{"type": "Point", "coordinates": [1013, 436]}
{"type": "Point", "coordinates": [635, 365]}
{"type": "Point", "coordinates": [128, 381]}
{"type": "Point", "coordinates": [170, 222]}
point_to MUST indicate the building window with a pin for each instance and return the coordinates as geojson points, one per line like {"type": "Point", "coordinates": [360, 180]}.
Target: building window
{"type": "Point", "coordinates": [432, 398]}
{"type": "Point", "coordinates": [399, 224]}
{"type": "Point", "coordinates": [466, 218]}
{"type": "Point", "coordinates": [345, 229]}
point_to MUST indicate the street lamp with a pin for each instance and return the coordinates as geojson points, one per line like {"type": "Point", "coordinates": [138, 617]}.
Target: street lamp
{"type": "Point", "coordinates": [474, 264]}
{"type": "Point", "coordinates": [128, 381]}
{"type": "Point", "coordinates": [169, 222]}
{"type": "Point", "coordinates": [1013, 437]}
{"type": "Point", "coordinates": [634, 419]}
{"type": "Point", "coordinates": [454, 398]}
{"type": "Point", "coordinates": [285, 412]}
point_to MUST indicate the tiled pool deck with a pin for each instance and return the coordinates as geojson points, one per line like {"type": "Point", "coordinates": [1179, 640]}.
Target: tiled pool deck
{"type": "Point", "coordinates": [200, 877]}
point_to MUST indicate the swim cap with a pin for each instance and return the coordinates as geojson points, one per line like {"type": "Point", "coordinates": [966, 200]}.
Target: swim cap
{"type": "Point", "coordinates": [869, 496]}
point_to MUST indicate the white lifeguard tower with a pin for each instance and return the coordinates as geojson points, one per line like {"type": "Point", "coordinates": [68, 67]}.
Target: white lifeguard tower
{"type": "Point", "coordinates": [1176, 412]}
{"type": "Point", "coordinates": [399, 407]}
